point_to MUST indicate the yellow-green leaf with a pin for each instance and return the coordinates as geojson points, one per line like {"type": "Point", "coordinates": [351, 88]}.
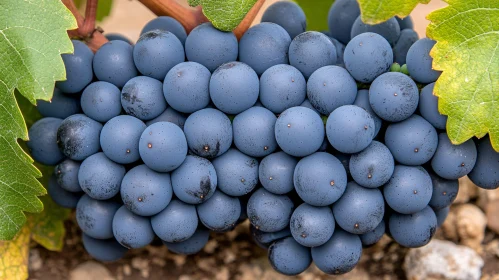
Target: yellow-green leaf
{"type": "Point", "coordinates": [467, 51]}
{"type": "Point", "coordinates": [224, 14]}
{"type": "Point", "coordinates": [374, 12]}
{"type": "Point", "coordinates": [32, 38]}
{"type": "Point", "coordinates": [14, 256]}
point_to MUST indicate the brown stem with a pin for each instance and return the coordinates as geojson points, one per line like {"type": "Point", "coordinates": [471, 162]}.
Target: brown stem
{"type": "Point", "coordinates": [86, 30]}
{"type": "Point", "coordinates": [90, 13]}
{"type": "Point", "coordinates": [248, 19]}
{"type": "Point", "coordinates": [188, 17]}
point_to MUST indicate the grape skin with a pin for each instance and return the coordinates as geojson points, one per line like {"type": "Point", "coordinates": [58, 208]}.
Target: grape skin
{"type": "Point", "coordinates": [288, 257]}
{"type": "Point", "coordinates": [390, 29]}
{"type": "Point", "coordinates": [113, 63]}
{"type": "Point", "coordinates": [176, 223]}
{"type": "Point", "coordinates": [95, 217]}
{"type": "Point", "coordinates": [43, 144]}
{"type": "Point", "coordinates": [288, 15]}
{"type": "Point", "coordinates": [485, 173]}
{"type": "Point", "coordinates": [104, 250]}
{"type": "Point", "coordinates": [60, 106]}
{"type": "Point", "coordinates": [79, 71]}
{"type": "Point", "coordinates": [166, 23]}
{"type": "Point", "coordinates": [130, 230]}
{"type": "Point", "coordinates": [341, 17]}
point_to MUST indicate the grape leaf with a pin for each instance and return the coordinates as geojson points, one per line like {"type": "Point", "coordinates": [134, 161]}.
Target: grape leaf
{"type": "Point", "coordinates": [224, 14]}
{"type": "Point", "coordinates": [316, 12]}
{"type": "Point", "coordinates": [374, 12]}
{"type": "Point", "coordinates": [14, 256]}
{"type": "Point", "coordinates": [30, 61]}
{"type": "Point", "coordinates": [467, 51]}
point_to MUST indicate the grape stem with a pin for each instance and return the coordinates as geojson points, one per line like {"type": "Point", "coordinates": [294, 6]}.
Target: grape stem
{"type": "Point", "coordinates": [86, 30]}
{"type": "Point", "coordinates": [192, 17]}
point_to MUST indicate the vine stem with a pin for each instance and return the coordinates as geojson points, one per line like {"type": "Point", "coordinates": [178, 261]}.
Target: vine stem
{"type": "Point", "coordinates": [192, 17]}
{"type": "Point", "coordinates": [86, 25]}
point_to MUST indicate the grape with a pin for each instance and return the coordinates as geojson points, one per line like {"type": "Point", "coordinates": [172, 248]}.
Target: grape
{"type": "Point", "coordinates": [107, 250]}
{"type": "Point", "coordinates": [186, 87]}
{"type": "Point", "coordinates": [419, 62]}
{"type": "Point", "coordinates": [176, 223]}
{"type": "Point", "coordinates": [390, 29]}
{"type": "Point", "coordinates": [340, 50]}
{"type": "Point", "coordinates": [66, 173]}
{"type": "Point", "coordinates": [412, 141]}
{"type": "Point", "coordinates": [269, 212]}
{"type": "Point", "coordinates": [78, 68]}
{"type": "Point", "coordinates": [367, 56]}
{"type": "Point", "coordinates": [142, 97]}
{"type": "Point", "coordinates": [444, 192]}
{"type": "Point", "coordinates": [428, 107]}
{"type": "Point", "coordinates": [320, 179]}
{"type": "Point", "coordinates": [413, 230]}
{"type": "Point", "coordinates": [60, 106]}
{"type": "Point", "coordinates": [117, 36]}
{"type": "Point", "coordinates": [288, 15]}
{"type": "Point", "coordinates": [362, 100]}
{"type": "Point", "coordinates": [341, 17]}
{"type": "Point", "coordinates": [340, 254]}
{"type": "Point", "coordinates": [405, 23]}
{"type": "Point", "coordinates": [288, 257]}
{"type": "Point", "coordinates": [237, 173]}
{"type": "Point", "coordinates": [195, 180]}
{"type": "Point", "coordinates": [210, 46]}
{"type": "Point", "coordinates": [163, 146]}
{"type": "Point", "coordinates": [234, 87]}
{"type": "Point", "coordinates": [276, 172]}
{"type": "Point", "coordinates": [119, 139]}
{"type": "Point", "coordinates": [146, 192]}
{"type": "Point", "coordinates": [254, 132]}
{"type": "Point", "coordinates": [263, 46]}
{"type": "Point", "coordinates": [299, 131]}
{"type": "Point", "coordinates": [78, 137]}
{"type": "Point", "coordinates": [156, 52]}
{"type": "Point", "coordinates": [307, 104]}
{"type": "Point", "coordinates": [130, 230]}
{"type": "Point", "coordinates": [100, 177]}
{"type": "Point", "coordinates": [372, 237]}
{"type": "Point", "coordinates": [409, 190]}
{"type": "Point", "coordinates": [310, 51]}
{"type": "Point", "coordinates": [312, 226]}
{"type": "Point", "coordinates": [394, 96]}
{"type": "Point", "coordinates": [359, 210]}
{"type": "Point", "coordinates": [441, 215]}
{"type": "Point", "coordinates": [95, 217]}
{"type": "Point", "coordinates": [281, 87]}
{"type": "Point", "coordinates": [372, 167]}
{"type": "Point", "coordinates": [345, 161]}
{"type": "Point", "coordinates": [166, 23]}
{"type": "Point", "coordinates": [208, 133]}
{"type": "Point", "coordinates": [42, 142]}
{"type": "Point", "coordinates": [113, 63]}
{"type": "Point", "coordinates": [265, 239]}
{"type": "Point", "coordinates": [101, 101]}
{"type": "Point", "coordinates": [192, 245]}
{"type": "Point", "coordinates": [61, 196]}
{"type": "Point", "coordinates": [453, 161]}
{"type": "Point", "coordinates": [219, 213]}
{"type": "Point", "coordinates": [330, 87]}
{"type": "Point", "coordinates": [485, 173]}
{"type": "Point", "coordinates": [350, 129]}
{"type": "Point", "coordinates": [407, 38]}
{"type": "Point", "coordinates": [170, 115]}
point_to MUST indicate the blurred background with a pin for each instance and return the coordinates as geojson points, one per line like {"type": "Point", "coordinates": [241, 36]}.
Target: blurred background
{"type": "Point", "coordinates": [466, 247]}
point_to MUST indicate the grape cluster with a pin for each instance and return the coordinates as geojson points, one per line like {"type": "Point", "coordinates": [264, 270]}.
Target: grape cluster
{"type": "Point", "coordinates": [306, 134]}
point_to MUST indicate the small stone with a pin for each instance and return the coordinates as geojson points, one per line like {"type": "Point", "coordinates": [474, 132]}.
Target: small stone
{"type": "Point", "coordinates": [466, 224]}
{"type": "Point", "coordinates": [223, 274]}
{"type": "Point", "coordinates": [184, 277]}
{"type": "Point", "coordinates": [443, 260]}
{"type": "Point", "coordinates": [142, 265]}
{"type": "Point", "coordinates": [35, 261]}
{"type": "Point", "coordinates": [90, 270]}
{"type": "Point", "coordinates": [211, 246]}
{"type": "Point", "coordinates": [229, 256]}
{"type": "Point", "coordinates": [492, 213]}
{"type": "Point", "coordinates": [127, 270]}
{"type": "Point", "coordinates": [158, 261]}
{"type": "Point", "coordinates": [207, 264]}
{"type": "Point", "coordinates": [467, 191]}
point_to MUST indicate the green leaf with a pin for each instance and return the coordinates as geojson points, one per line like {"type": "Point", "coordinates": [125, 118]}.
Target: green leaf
{"type": "Point", "coordinates": [467, 51]}
{"type": "Point", "coordinates": [374, 12]}
{"type": "Point", "coordinates": [224, 14]}
{"type": "Point", "coordinates": [316, 12]}
{"type": "Point", "coordinates": [32, 38]}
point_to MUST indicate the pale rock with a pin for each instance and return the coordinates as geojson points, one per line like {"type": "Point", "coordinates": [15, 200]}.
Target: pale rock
{"type": "Point", "coordinates": [211, 246]}
{"type": "Point", "coordinates": [90, 270]}
{"type": "Point", "coordinates": [466, 224]}
{"type": "Point", "coordinates": [443, 260]}
{"type": "Point", "coordinates": [35, 261]}
{"type": "Point", "coordinates": [127, 270]}
{"type": "Point", "coordinates": [467, 190]}
{"type": "Point", "coordinates": [492, 213]}
{"type": "Point", "coordinates": [223, 274]}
